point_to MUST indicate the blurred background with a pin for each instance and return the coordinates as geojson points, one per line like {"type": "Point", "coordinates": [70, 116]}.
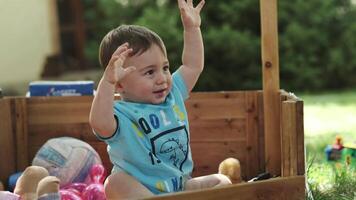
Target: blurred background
{"type": "Point", "coordinates": [59, 40]}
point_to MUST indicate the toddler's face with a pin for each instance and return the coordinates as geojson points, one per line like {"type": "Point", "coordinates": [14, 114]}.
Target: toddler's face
{"type": "Point", "coordinates": [151, 81]}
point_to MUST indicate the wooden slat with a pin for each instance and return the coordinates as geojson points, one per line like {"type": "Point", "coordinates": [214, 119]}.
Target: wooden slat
{"type": "Point", "coordinates": [59, 110]}
{"type": "Point", "coordinates": [289, 139]}
{"type": "Point", "coordinates": [21, 132]}
{"type": "Point", "coordinates": [252, 135]}
{"type": "Point", "coordinates": [270, 69]}
{"type": "Point", "coordinates": [42, 132]}
{"type": "Point", "coordinates": [300, 137]}
{"type": "Point", "coordinates": [291, 188]}
{"type": "Point", "coordinates": [219, 95]}
{"type": "Point", "coordinates": [217, 129]}
{"type": "Point", "coordinates": [208, 155]}
{"type": "Point", "coordinates": [261, 133]}
{"type": "Point", "coordinates": [58, 113]}
{"type": "Point", "coordinates": [285, 138]}
{"type": "Point", "coordinates": [215, 108]}
{"type": "Point", "coordinates": [7, 141]}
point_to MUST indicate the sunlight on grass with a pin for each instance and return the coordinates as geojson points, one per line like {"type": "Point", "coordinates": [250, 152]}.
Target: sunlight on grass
{"type": "Point", "coordinates": [331, 113]}
{"type": "Point", "coordinates": [330, 118]}
{"type": "Point", "coordinates": [325, 116]}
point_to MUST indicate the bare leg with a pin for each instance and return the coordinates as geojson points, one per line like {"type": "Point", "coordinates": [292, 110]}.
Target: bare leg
{"type": "Point", "coordinates": [208, 181]}
{"type": "Point", "coordinates": [123, 186]}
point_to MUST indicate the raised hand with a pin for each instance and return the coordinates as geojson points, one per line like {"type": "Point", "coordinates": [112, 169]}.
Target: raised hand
{"type": "Point", "coordinates": [115, 71]}
{"type": "Point", "coordinates": [190, 16]}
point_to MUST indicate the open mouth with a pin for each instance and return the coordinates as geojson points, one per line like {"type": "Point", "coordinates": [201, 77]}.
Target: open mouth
{"type": "Point", "coordinates": [159, 91]}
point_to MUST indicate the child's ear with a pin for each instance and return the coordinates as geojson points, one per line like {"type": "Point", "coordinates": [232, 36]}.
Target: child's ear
{"type": "Point", "coordinates": [118, 88]}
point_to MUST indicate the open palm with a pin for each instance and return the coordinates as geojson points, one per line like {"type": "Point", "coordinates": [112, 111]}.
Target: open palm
{"type": "Point", "coordinates": [190, 15]}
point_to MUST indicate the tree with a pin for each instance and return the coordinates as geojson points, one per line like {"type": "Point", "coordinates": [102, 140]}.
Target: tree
{"type": "Point", "coordinates": [317, 40]}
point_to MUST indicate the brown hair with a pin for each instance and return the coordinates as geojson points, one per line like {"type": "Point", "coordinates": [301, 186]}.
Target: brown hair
{"type": "Point", "coordinates": [139, 38]}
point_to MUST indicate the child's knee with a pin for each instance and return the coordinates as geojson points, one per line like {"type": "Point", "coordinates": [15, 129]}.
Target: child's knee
{"type": "Point", "coordinates": [115, 185]}
{"type": "Point", "coordinates": [123, 186]}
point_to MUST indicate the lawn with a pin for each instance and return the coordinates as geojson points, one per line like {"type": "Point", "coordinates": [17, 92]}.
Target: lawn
{"type": "Point", "coordinates": [326, 116]}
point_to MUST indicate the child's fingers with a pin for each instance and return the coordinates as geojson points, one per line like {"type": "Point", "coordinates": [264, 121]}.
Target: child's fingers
{"type": "Point", "coordinates": [200, 5]}
{"type": "Point", "coordinates": [113, 59]}
{"type": "Point", "coordinates": [122, 72]}
{"type": "Point", "coordinates": [119, 60]}
{"type": "Point", "coordinates": [121, 49]}
{"type": "Point", "coordinates": [190, 3]}
{"type": "Point", "coordinates": [181, 3]}
{"type": "Point", "coordinates": [129, 69]}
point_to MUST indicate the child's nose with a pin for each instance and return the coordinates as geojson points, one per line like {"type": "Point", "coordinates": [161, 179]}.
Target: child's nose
{"type": "Point", "coordinates": [161, 78]}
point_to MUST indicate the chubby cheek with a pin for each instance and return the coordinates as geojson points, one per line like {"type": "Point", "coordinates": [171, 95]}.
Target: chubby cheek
{"type": "Point", "coordinates": [170, 83]}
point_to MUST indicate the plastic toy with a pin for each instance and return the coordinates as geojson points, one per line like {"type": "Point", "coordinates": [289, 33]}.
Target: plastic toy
{"type": "Point", "coordinates": [231, 168]}
{"type": "Point", "coordinates": [82, 191]}
{"type": "Point", "coordinates": [349, 154]}
{"type": "Point", "coordinates": [67, 158]}
{"type": "Point", "coordinates": [334, 152]}
{"type": "Point", "coordinates": [27, 183]}
{"type": "Point", "coordinates": [341, 153]}
{"type": "Point", "coordinates": [12, 181]}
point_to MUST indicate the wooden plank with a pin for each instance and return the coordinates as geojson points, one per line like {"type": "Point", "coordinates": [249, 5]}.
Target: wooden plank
{"type": "Point", "coordinates": [261, 136]}
{"type": "Point", "coordinates": [300, 137]}
{"type": "Point", "coordinates": [215, 108]}
{"type": "Point", "coordinates": [217, 129]}
{"type": "Point", "coordinates": [289, 138]}
{"type": "Point", "coordinates": [7, 141]}
{"type": "Point", "coordinates": [285, 138]}
{"type": "Point", "coordinates": [59, 113]}
{"type": "Point", "coordinates": [21, 132]}
{"type": "Point", "coordinates": [59, 110]}
{"type": "Point", "coordinates": [219, 95]}
{"type": "Point", "coordinates": [252, 135]}
{"type": "Point", "coordinates": [216, 105]}
{"type": "Point", "coordinates": [208, 155]}
{"type": "Point", "coordinates": [270, 69]}
{"type": "Point", "coordinates": [42, 132]}
{"type": "Point", "coordinates": [291, 188]}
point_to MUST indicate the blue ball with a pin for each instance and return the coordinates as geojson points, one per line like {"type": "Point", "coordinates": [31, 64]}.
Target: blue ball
{"type": "Point", "coordinates": [12, 181]}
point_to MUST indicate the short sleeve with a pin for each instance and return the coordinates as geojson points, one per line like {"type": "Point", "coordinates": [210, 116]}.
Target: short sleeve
{"type": "Point", "coordinates": [106, 139]}
{"type": "Point", "coordinates": [179, 82]}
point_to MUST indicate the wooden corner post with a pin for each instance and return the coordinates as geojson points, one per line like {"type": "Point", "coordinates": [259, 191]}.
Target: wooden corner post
{"type": "Point", "coordinates": [271, 98]}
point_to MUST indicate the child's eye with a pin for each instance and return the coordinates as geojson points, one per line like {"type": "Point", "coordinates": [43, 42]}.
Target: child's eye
{"type": "Point", "coordinates": [166, 68]}
{"type": "Point", "coordinates": [149, 72]}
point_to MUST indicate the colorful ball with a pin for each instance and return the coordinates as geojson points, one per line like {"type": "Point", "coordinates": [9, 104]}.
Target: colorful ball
{"type": "Point", "coordinates": [69, 159]}
{"type": "Point", "coordinates": [94, 191]}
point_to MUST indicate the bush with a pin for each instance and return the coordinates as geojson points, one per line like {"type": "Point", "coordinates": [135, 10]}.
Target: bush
{"type": "Point", "coordinates": [316, 40]}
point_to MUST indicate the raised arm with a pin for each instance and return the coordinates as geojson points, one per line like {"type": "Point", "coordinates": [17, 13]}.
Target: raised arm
{"type": "Point", "coordinates": [193, 51]}
{"type": "Point", "coordinates": [101, 116]}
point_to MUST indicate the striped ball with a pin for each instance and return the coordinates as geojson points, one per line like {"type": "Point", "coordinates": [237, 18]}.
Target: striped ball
{"type": "Point", "coordinates": [69, 159]}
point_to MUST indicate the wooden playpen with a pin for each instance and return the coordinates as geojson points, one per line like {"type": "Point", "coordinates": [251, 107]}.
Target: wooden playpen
{"type": "Point", "coordinates": [263, 129]}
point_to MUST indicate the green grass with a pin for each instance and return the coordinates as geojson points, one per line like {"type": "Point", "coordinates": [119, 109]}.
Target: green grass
{"type": "Point", "coordinates": [325, 116]}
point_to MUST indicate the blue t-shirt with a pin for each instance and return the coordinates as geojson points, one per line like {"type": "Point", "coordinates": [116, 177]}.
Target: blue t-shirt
{"type": "Point", "coordinates": [152, 141]}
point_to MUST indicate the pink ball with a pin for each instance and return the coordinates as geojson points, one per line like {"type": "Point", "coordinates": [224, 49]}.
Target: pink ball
{"type": "Point", "coordinates": [97, 173]}
{"type": "Point", "coordinates": [70, 195]}
{"type": "Point", "coordinates": [94, 191]}
{"type": "Point", "coordinates": [78, 187]}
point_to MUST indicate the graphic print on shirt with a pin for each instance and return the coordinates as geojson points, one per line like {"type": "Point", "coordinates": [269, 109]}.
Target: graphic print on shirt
{"type": "Point", "coordinates": [172, 146]}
